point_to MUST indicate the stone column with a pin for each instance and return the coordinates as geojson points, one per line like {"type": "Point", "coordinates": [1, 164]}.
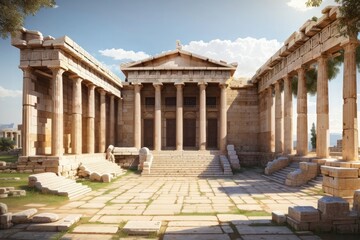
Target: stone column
{"type": "Point", "coordinates": [102, 135]}
{"type": "Point", "coordinates": [112, 121]}
{"type": "Point", "coordinates": [322, 110]}
{"type": "Point", "coordinates": [270, 118]}
{"type": "Point", "coordinates": [76, 131]}
{"type": "Point", "coordinates": [26, 113]}
{"type": "Point", "coordinates": [288, 131]}
{"type": "Point", "coordinates": [179, 116]}
{"type": "Point", "coordinates": [157, 118]}
{"type": "Point", "coordinates": [223, 118]}
{"type": "Point", "coordinates": [202, 123]}
{"type": "Point", "coordinates": [302, 129]}
{"type": "Point", "coordinates": [137, 116]}
{"type": "Point", "coordinates": [279, 136]}
{"type": "Point", "coordinates": [57, 140]}
{"type": "Point", "coordinates": [350, 131]}
{"type": "Point", "coordinates": [91, 119]}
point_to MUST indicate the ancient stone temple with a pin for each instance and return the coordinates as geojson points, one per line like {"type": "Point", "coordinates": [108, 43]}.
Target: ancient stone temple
{"type": "Point", "coordinates": [179, 102]}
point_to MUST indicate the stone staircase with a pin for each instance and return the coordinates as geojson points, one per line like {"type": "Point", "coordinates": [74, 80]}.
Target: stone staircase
{"type": "Point", "coordinates": [188, 163]}
{"type": "Point", "coordinates": [280, 176]}
{"type": "Point", "coordinates": [50, 183]}
{"type": "Point", "coordinates": [101, 167]}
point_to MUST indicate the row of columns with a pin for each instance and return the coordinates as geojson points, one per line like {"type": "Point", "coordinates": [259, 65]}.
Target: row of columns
{"type": "Point", "coordinates": [57, 131]}
{"type": "Point", "coordinates": [179, 116]}
{"type": "Point", "coordinates": [283, 126]}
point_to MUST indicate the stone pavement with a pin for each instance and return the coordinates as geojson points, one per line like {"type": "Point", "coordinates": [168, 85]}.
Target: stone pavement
{"type": "Point", "coordinates": [189, 208]}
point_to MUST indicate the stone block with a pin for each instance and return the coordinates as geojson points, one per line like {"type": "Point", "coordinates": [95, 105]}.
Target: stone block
{"type": "Point", "coordinates": [3, 190]}
{"type": "Point", "coordinates": [142, 227]}
{"type": "Point", "coordinates": [298, 226]}
{"type": "Point", "coordinates": [338, 192]}
{"type": "Point", "coordinates": [232, 152]}
{"type": "Point", "coordinates": [339, 172]}
{"type": "Point", "coordinates": [356, 201]}
{"type": "Point", "coordinates": [278, 217]}
{"type": "Point", "coordinates": [5, 221]}
{"type": "Point", "coordinates": [321, 226]}
{"type": "Point", "coordinates": [106, 177]}
{"type": "Point", "coordinates": [24, 216]}
{"type": "Point", "coordinates": [347, 228]}
{"type": "Point", "coordinates": [308, 167]}
{"type": "Point", "coordinates": [230, 147]}
{"type": "Point", "coordinates": [3, 208]}
{"type": "Point", "coordinates": [45, 218]}
{"type": "Point", "coordinates": [95, 177]}
{"type": "Point", "coordinates": [341, 183]}
{"type": "Point", "coordinates": [333, 207]}
{"type": "Point", "coordinates": [304, 214]}
{"type": "Point", "coordinates": [3, 195]}
{"type": "Point", "coordinates": [17, 193]}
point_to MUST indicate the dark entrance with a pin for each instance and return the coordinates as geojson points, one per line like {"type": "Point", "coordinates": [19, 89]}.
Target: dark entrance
{"type": "Point", "coordinates": [149, 133]}
{"type": "Point", "coordinates": [211, 135]}
{"type": "Point", "coordinates": [189, 133]}
{"type": "Point", "coordinates": [170, 132]}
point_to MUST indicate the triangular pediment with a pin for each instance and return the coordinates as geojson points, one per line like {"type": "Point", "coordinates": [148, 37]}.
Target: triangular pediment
{"type": "Point", "coordinates": [177, 59]}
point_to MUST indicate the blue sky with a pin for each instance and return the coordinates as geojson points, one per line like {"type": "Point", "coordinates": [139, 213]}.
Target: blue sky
{"type": "Point", "coordinates": [116, 31]}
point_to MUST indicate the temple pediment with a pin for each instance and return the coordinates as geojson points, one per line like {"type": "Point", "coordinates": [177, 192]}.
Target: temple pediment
{"type": "Point", "coordinates": [177, 60]}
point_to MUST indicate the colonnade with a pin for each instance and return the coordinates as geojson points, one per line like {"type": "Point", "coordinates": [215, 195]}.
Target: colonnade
{"type": "Point", "coordinates": [283, 121]}
{"type": "Point", "coordinates": [57, 116]}
{"type": "Point", "coordinates": [179, 116]}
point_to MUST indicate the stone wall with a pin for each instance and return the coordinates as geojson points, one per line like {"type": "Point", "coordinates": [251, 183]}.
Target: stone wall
{"type": "Point", "coordinates": [243, 119]}
{"type": "Point", "coordinates": [127, 119]}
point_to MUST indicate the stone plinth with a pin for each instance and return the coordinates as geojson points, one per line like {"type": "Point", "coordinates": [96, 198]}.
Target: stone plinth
{"type": "Point", "coordinates": [276, 165]}
{"type": "Point", "coordinates": [333, 207]}
{"type": "Point", "coordinates": [341, 179]}
{"type": "Point", "coordinates": [307, 171]}
{"type": "Point", "coordinates": [142, 227]}
{"type": "Point", "coordinates": [304, 214]}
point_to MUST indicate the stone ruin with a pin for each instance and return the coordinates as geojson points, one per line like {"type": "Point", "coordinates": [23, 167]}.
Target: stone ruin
{"type": "Point", "coordinates": [36, 221]}
{"type": "Point", "coordinates": [332, 214]}
{"type": "Point", "coordinates": [145, 160]}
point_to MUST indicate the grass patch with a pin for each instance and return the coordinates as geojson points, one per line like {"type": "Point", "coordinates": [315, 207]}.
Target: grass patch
{"type": "Point", "coordinates": [32, 194]}
{"type": "Point", "coordinates": [9, 158]}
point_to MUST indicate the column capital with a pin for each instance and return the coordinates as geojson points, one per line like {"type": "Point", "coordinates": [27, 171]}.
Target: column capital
{"type": "Point", "coordinates": [223, 85]}
{"type": "Point", "coordinates": [102, 91]}
{"type": "Point", "coordinates": [157, 85]}
{"type": "Point", "coordinates": [301, 70]}
{"type": "Point", "coordinates": [91, 86]}
{"type": "Point", "coordinates": [57, 69]}
{"type": "Point", "coordinates": [75, 77]}
{"type": "Point", "coordinates": [203, 83]}
{"type": "Point", "coordinates": [181, 84]}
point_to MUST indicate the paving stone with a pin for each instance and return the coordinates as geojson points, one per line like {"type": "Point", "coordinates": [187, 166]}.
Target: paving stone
{"type": "Point", "coordinates": [34, 235]}
{"type": "Point", "coordinates": [249, 230]}
{"type": "Point", "coordinates": [96, 228]}
{"type": "Point", "coordinates": [231, 218]}
{"type": "Point", "coordinates": [196, 237]}
{"type": "Point", "coordinates": [192, 223]}
{"type": "Point", "coordinates": [192, 230]}
{"type": "Point", "coordinates": [270, 237]}
{"type": "Point", "coordinates": [35, 205]}
{"type": "Point", "coordinates": [73, 236]}
{"type": "Point", "coordinates": [93, 205]}
{"type": "Point", "coordinates": [122, 218]}
{"type": "Point", "coordinates": [185, 218]}
{"type": "Point", "coordinates": [142, 227]}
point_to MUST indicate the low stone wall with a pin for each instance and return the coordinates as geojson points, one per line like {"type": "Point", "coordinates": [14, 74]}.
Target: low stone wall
{"type": "Point", "coordinates": [126, 157]}
{"type": "Point", "coordinates": [332, 215]}
{"type": "Point", "coordinates": [7, 167]}
{"type": "Point", "coordinates": [66, 165]}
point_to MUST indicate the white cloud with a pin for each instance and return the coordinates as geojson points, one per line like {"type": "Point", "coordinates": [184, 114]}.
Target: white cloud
{"type": "Point", "coordinates": [250, 53]}
{"type": "Point", "coordinates": [9, 93]}
{"type": "Point", "coordinates": [298, 5]}
{"type": "Point", "coordinates": [121, 54]}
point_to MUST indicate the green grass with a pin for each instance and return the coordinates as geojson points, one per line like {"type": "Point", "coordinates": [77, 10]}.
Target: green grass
{"type": "Point", "coordinates": [9, 158]}
{"type": "Point", "coordinates": [253, 213]}
{"type": "Point", "coordinates": [32, 195]}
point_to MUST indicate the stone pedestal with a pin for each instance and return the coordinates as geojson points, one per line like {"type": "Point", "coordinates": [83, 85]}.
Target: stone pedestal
{"type": "Point", "coordinates": [341, 179]}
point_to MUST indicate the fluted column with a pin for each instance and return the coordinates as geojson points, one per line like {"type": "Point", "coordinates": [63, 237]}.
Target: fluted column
{"type": "Point", "coordinates": [302, 129]}
{"type": "Point", "coordinates": [223, 118]}
{"type": "Point", "coordinates": [157, 118]}
{"type": "Point", "coordinates": [202, 123]}
{"type": "Point", "coordinates": [279, 136]}
{"type": "Point", "coordinates": [102, 135]}
{"type": "Point", "coordinates": [76, 136]}
{"type": "Point", "coordinates": [350, 128]}
{"type": "Point", "coordinates": [57, 141]}
{"type": "Point", "coordinates": [288, 112]}
{"type": "Point", "coordinates": [137, 116]}
{"type": "Point", "coordinates": [26, 113]}
{"type": "Point", "coordinates": [112, 121]}
{"type": "Point", "coordinates": [179, 116]}
{"type": "Point", "coordinates": [322, 110]}
{"type": "Point", "coordinates": [91, 119]}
